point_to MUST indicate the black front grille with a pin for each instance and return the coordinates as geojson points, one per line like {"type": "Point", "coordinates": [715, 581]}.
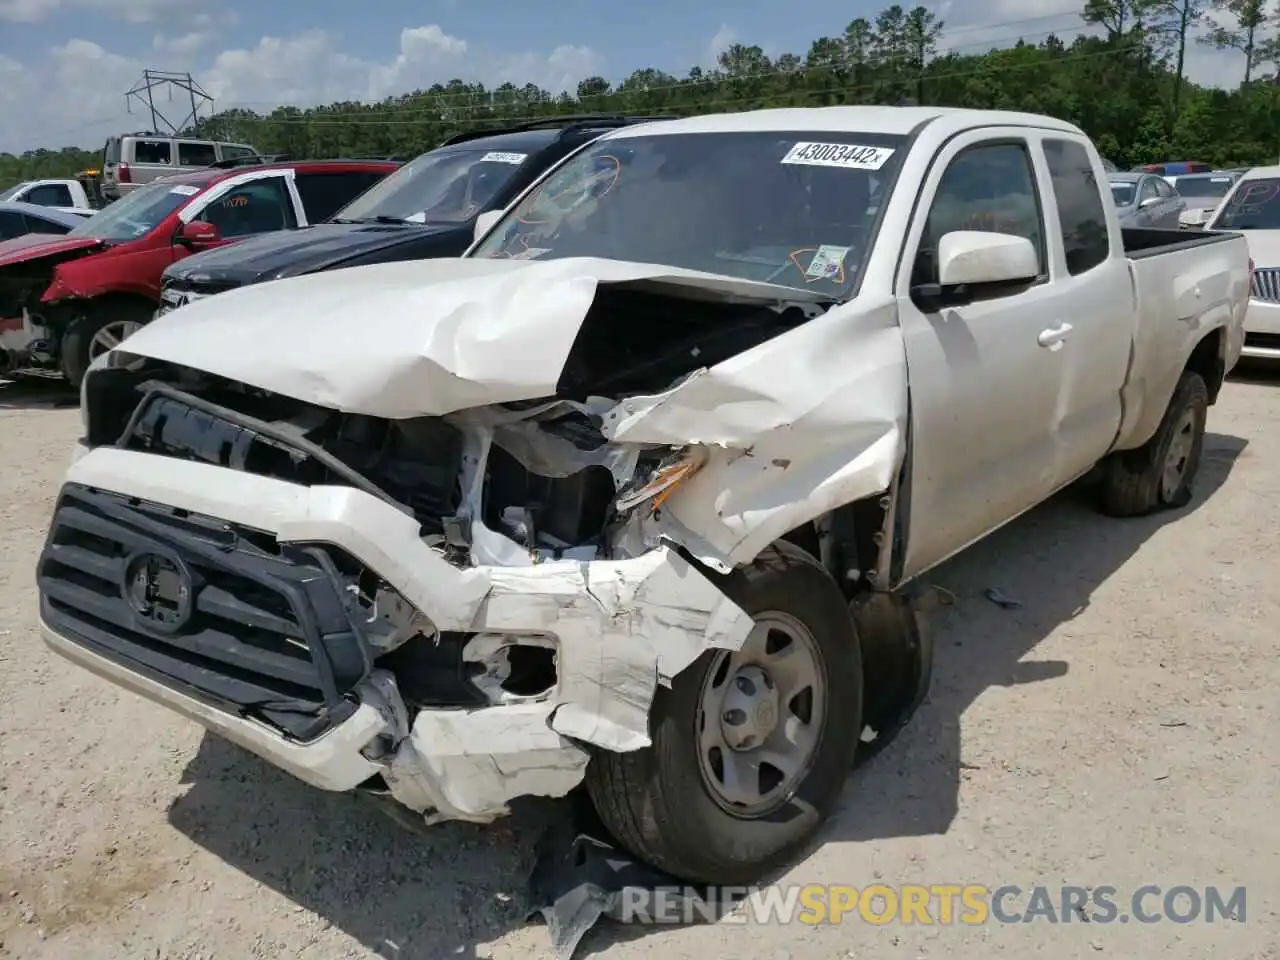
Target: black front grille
{"type": "Point", "coordinates": [262, 630]}
{"type": "Point", "coordinates": [1266, 341]}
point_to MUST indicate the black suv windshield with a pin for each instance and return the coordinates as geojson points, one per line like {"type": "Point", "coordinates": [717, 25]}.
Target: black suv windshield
{"type": "Point", "coordinates": [137, 214]}
{"type": "Point", "coordinates": [1254, 206]}
{"type": "Point", "coordinates": [796, 209]}
{"type": "Point", "coordinates": [444, 186]}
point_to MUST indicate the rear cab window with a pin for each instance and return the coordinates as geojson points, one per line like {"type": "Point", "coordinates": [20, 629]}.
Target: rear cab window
{"type": "Point", "coordinates": [1083, 219]}
{"type": "Point", "coordinates": [158, 152]}
{"type": "Point", "coordinates": [50, 195]}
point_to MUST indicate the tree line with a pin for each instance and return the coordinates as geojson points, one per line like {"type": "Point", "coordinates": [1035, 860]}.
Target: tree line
{"type": "Point", "coordinates": [1126, 87]}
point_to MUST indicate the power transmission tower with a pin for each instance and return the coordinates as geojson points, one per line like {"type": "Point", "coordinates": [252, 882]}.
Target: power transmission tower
{"type": "Point", "coordinates": [144, 92]}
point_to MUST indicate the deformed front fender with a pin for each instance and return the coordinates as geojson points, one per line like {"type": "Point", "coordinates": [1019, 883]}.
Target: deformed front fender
{"type": "Point", "coordinates": [797, 426]}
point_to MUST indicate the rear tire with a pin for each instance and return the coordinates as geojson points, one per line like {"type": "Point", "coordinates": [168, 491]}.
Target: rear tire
{"type": "Point", "coordinates": [665, 804]}
{"type": "Point", "coordinates": [1161, 473]}
{"type": "Point", "coordinates": [89, 333]}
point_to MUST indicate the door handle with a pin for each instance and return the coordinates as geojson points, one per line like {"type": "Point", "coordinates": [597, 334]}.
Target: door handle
{"type": "Point", "coordinates": [1053, 337]}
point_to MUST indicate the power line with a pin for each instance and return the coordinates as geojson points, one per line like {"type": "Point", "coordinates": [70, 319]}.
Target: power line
{"type": "Point", "coordinates": [335, 119]}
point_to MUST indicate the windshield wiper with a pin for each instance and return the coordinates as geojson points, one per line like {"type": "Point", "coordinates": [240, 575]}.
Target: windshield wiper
{"type": "Point", "coordinates": [379, 219]}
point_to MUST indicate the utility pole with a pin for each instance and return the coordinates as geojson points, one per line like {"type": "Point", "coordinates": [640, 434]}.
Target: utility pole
{"type": "Point", "coordinates": [144, 92]}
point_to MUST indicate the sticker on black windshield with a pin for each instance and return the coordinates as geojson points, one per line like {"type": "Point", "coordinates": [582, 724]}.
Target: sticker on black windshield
{"type": "Point", "coordinates": [497, 156]}
{"type": "Point", "coordinates": [847, 155]}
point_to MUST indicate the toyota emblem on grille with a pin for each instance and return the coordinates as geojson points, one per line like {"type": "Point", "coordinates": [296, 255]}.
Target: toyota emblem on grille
{"type": "Point", "coordinates": [158, 591]}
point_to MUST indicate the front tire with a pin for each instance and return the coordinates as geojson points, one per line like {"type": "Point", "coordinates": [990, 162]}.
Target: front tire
{"type": "Point", "coordinates": [98, 329]}
{"type": "Point", "coordinates": [1161, 473]}
{"type": "Point", "coordinates": [751, 748]}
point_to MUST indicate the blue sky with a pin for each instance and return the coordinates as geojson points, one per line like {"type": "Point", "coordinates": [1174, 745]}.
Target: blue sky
{"type": "Point", "coordinates": [65, 64]}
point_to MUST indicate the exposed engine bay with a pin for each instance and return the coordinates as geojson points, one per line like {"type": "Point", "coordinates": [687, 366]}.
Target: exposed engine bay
{"type": "Point", "coordinates": [538, 472]}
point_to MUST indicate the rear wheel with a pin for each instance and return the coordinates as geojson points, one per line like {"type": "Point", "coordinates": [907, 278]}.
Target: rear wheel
{"type": "Point", "coordinates": [751, 748]}
{"type": "Point", "coordinates": [1161, 473]}
{"type": "Point", "coordinates": [98, 330]}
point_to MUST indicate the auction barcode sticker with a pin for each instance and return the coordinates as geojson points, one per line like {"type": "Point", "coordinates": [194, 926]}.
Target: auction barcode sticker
{"type": "Point", "coordinates": [497, 156]}
{"type": "Point", "coordinates": [847, 155]}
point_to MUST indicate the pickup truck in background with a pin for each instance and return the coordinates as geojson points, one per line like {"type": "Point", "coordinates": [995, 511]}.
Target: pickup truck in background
{"type": "Point", "coordinates": [66, 195]}
{"type": "Point", "coordinates": [65, 300]}
{"type": "Point", "coordinates": [632, 492]}
{"type": "Point", "coordinates": [425, 209]}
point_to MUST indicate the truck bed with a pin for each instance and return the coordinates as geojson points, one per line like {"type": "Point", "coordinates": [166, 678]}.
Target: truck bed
{"type": "Point", "coordinates": [1183, 284]}
{"type": "Point", "coordinates": [1142, 242]}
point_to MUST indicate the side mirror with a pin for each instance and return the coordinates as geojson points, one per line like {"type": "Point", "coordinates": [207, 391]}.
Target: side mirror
{"type": "Point", "coordinates": [485, 222]}
{"type": "Point", "coordinates": [197, 234]}
{"type": "Point", "coordinates": [1149, 202]}
{"type": "Point", "coordinates": [967, 257]}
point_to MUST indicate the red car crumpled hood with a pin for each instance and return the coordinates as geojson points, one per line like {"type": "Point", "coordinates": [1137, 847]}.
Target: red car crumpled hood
{"type": "Point", "coordinates": [34, 246]}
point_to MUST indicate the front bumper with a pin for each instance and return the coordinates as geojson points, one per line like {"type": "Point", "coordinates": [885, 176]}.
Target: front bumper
{"type": "Point", "coordinates": [618, 626]}
{"type": "Point", "coordinates": [1262, 330]}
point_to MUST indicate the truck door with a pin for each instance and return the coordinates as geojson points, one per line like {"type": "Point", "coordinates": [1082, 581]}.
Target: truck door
{"type": "Point", "coordinates": [1095, 279]}
{"type": "Point", "coordinates": [984, 376]}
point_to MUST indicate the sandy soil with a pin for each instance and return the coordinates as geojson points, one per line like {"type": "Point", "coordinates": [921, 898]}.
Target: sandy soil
{"type": "Point", "coordinates": [1119, 728]}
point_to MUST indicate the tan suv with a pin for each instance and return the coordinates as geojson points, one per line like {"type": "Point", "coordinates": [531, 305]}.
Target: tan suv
{"type": "Point", "coordinates": [132, 159]}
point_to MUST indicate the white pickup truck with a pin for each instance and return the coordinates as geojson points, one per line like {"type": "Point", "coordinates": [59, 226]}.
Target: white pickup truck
{"type": "Point", "coordinates": [602, 498]}
{"type": "Point", "coordinates": [68, 195]}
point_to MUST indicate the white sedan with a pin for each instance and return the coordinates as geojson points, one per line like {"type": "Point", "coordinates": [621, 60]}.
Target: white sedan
{"type": "Point", "coordinates": [1253, 208]}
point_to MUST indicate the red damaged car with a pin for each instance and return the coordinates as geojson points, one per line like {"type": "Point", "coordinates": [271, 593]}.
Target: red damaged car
{"type": "Point", "coordinates": [64, 300]}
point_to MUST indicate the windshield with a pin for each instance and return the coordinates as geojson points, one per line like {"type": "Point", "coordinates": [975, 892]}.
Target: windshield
{"type": "Point", "coordinates": [1122, 193]}
{"type": "Point", "coordinates": [1207, 187]}
{"type": "Point", "coordinates": [14, 190]}
{"type": "Point", "coordinates": [444, 186]}
{"type": "Point", "coordinates": [796, 209]}
{"type": "Point", "coordinates": [1254, 206]}
{"type": "Point", "coordinates": [136, 214]}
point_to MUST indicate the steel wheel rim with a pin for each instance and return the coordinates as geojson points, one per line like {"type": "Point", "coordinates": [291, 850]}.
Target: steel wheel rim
{"type": "Point", "coordinates": [111, 336]}
{"type": "Point", "coordinates": [1179, 453]}
{"type": "Point", "coordinates": [760, 715]}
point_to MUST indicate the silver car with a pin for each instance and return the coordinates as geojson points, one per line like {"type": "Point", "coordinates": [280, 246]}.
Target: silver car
{"type": "Point", "coordinates": [1146, 200]}
{"type": "Point", "coordinates": [1203, 192]}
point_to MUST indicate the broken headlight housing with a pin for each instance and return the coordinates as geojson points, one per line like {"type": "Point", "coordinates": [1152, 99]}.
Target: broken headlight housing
{"type": "Point", "coordinates": [655, 483]}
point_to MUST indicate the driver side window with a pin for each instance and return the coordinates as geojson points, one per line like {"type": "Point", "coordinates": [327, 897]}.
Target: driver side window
{"type": "Point", "coordinates": [989, 187]}
{"type": "Point", "coordinates": [259, 206]}
{"type": "Point", "coordinates": [1147, 191]}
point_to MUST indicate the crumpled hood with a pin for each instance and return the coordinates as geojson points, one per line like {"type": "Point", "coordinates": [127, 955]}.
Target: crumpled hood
{"type": "Point", "coordinates": [417, 338]}
{"type": "Point", "coordinates": [34, 246]}
{"type": "Point", "coordinates": [291, 253]}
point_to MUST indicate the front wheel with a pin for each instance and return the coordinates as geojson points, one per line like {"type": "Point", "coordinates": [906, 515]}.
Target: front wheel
{"type": "Point", "coordinates": [98, 330]}
{"type": "Point", "coordinates": [751, 748]}
{"type": "Point", "coordinates": [1160, 473]}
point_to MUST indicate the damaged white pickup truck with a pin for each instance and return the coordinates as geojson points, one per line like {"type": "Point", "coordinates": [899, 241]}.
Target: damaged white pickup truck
{"type": "Point", "coordinates": [596, 500]}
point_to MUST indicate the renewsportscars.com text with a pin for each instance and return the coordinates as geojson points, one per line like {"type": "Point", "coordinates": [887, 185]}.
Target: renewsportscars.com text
{"type": "Point", "coordinates": [935, 904]}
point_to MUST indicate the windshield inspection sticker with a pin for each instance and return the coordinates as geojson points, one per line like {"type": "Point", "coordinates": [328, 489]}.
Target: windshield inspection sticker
{"type": "Point", "coordinates": [827, 263]}
{"type": "Point", "coordinates": [497, 156]}
{"type": "Point", "coordinates": [847, 155]}
{"type": "Point", "coordinates": [185, 190]}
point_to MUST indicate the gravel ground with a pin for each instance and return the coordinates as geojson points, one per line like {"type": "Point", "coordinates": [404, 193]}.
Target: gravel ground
{"type": "Point", "coordinates": [1118, 728]}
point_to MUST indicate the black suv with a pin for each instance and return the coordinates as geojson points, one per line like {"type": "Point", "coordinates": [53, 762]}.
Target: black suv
{"type": "Point", "coordinates": [426, 209]}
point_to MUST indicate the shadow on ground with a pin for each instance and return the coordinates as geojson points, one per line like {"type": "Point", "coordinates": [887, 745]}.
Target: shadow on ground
{"type": "Point", "coordinates": [440, 894]}
{"type": "Point", "coordinates": [37, 393]}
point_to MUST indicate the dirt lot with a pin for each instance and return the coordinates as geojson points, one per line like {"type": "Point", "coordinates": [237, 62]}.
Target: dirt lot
{"type": "Point", "coordinates": [1119, 728]}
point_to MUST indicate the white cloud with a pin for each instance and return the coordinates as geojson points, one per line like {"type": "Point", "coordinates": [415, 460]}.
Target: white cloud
{"type": "Point", "coordinates": [720, 41]}
{"type": "Point", "coordinates": [74, 93]}
{"type": "Point", "coordinates": [134, 11]}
